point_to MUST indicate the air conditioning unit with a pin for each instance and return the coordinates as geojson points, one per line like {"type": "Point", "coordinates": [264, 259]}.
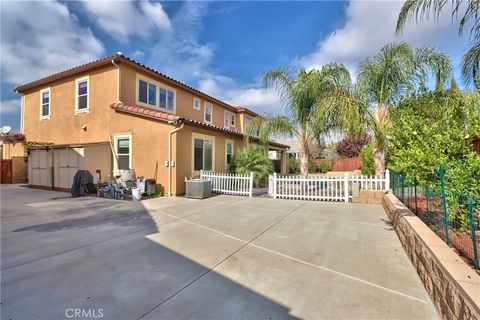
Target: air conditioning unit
{"type": "Point", "coordinates": [199, 189]}
{"type": "Point", "coordinates": [147, 186]}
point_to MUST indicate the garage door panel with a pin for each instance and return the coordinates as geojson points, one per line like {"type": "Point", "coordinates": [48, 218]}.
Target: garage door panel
{"type": "Point", "coordinates": [38, 168]}
{"type": "Point", "coordinates": [66, 163]}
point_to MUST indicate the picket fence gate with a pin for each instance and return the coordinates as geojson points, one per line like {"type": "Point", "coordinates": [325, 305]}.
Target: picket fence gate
{"type": "Point", "coordinates": [229, 183]}
{"type": "Point", "coordinates": [327, 188]}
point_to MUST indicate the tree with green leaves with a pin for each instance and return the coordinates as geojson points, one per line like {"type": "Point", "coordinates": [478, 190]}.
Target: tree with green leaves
{"type": "Point", "coordinates": [385, 78]}
{"type": "Point", "coordinates": [308, 97]}
{"type": "Point", "coordinates": [469, 11]}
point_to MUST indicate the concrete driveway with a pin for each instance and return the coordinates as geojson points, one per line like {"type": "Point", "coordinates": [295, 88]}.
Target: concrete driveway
{"type": "Point", "coordinates": [224, 257]}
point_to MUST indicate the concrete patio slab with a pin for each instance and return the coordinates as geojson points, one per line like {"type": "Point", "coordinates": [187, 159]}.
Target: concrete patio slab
{"type": "Point", "coordinates": [223, 257]}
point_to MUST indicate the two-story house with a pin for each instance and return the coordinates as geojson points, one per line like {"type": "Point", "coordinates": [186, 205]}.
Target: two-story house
{"type": "Point", "coordinates": [115, 113]}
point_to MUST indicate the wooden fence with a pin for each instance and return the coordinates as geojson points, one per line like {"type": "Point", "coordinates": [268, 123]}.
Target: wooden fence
{"type": "Point", "coordinates": [344, 165]}
{"type": "Point", "coordinates": [227, 183]}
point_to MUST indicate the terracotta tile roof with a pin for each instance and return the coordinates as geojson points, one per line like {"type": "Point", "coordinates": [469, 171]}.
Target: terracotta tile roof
{"type": "Point", "coordinates": [66, 73]}
{"type": "Point", "coordinates": [168, 117]}
{"type": "Point", "coordinates": [146, 112]}
{"type": "Point", "coordinates": [246, 110]}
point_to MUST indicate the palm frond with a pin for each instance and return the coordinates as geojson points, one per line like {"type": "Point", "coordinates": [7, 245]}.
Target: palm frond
{"type": "Point", "coordinates": [417, 11]}
{"type": "Point", "coordinates": [471, 66]}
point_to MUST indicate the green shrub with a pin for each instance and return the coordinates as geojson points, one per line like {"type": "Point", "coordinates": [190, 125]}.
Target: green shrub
{"type": "Point", "coordinates": [312, 167]}
{"type": "Point", "coordinates": [293, 165]}
{"type": "Point", "coordinates": [368, 161]}
{"type": "Point", "coordinates": [324, 167]}
{"type": "Point", "coordinates": [252, 160]}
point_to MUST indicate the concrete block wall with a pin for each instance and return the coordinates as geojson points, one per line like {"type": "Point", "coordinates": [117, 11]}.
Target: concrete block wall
{"type": "Point", "coordinates": [453, 285]}
{"type": "Point", "coordinates": [369, 196]}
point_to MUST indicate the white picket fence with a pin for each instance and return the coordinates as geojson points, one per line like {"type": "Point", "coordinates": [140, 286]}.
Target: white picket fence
{"type": "Point", "coordinates": [227, 183]}
{"type": "Point", "coordinates": [327, 188]}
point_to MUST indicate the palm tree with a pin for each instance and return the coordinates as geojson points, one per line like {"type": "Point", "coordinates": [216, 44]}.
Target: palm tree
{"type": "Point", "coordinates": [384, 78]}
{"type": "Point", "coordinates": [252, 160]}
{"type": "Point", "coordinates": [307, 96]}
{"type": "Point", "coordinates": [419, 10]}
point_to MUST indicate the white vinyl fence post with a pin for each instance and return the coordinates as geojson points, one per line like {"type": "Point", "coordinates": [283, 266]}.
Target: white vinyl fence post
{"type": "Point", "coordinates": [387, 180]}
{"type": "Point", "coordinates": [345, 188]}
{"type": "Point", "coordinates": [274, 185]}
{"type": "Point", "coordinates": [250, 193]}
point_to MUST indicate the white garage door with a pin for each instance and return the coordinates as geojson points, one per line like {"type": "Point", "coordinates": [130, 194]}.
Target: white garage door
{"type": "Point", "coordinates": [66, 162]}
{"type": "Point", "coordinates": [39, 172]}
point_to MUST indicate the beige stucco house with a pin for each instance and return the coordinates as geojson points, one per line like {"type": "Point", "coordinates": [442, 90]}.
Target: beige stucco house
{"type": "Point", "coordinates": [115, 113]}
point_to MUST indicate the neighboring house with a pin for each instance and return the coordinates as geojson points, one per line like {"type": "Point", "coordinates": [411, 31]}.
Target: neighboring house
{"type": "Point", "coordinates": [115, 113]}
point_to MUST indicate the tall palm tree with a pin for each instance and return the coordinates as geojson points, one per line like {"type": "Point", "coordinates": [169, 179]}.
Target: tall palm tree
{"type": "Point", "coordinates": [306, 96]}
{"type": "Point", "coordinates": [384, 78]}
{"type": "Point", "coordinates": [419, 10]}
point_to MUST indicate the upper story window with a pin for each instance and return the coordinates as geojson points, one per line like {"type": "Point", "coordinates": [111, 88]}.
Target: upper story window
{"type": "Point", "coordinates": [154, 94]}
{"type": "Point", "coordinates": [197, 103]}
{"type": "Point", "coordinates": [227, 120]}
{"type": "Point", "coordinates": [147, 93]}
{"type": "Point", "coordinates": [45, 104]}
{"type": "Point", "coordinates": [82, 101]}
{"type": "Point", "coordinates": [248, 122]}
{"type": "Point", "coordinates": [208, 113]}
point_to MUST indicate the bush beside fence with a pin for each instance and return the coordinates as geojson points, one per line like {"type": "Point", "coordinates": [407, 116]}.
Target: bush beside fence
{"type": "Point", "coordinates": [457, 226]}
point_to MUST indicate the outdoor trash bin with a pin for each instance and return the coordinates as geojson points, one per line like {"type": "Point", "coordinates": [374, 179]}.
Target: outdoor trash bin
{"type": "Point", "coordinates": [199, 188]}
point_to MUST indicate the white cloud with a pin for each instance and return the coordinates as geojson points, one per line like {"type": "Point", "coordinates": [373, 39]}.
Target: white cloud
{"type": "Point", "coordinates": [179, 52]}
{"type": "Point", "coordinates": [371, 24]}
{"type": "Point", "coordinates": [188, 59]}
{"type": "Point", "coordinates": [251, 96]}
{"type": "Point", "coordinates": [123, 19]}
{"type": "Point", "coordinates": [10, 106]}
{"type": "Point", "coordinates": [39, 38]}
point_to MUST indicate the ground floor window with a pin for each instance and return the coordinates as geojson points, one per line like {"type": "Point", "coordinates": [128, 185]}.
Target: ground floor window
{"type": "Point", "coordinates": [228, 152]}
{"type": "Point", "coordinates": [203, 154]}
{"type": "Point", "coordinates": [123, 149]}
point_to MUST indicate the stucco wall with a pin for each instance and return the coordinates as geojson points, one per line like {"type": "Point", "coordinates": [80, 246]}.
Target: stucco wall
{"type": "Point", "coordinates": [64, 126]}
{"type": "Point", "coordinates": [184, 153]}
{"type": "Point", "coordinates": [98, 157]}
{"type": "Point", "coordinates": [19, 169]}
{"type": "Point", "coordinates": [184, 99]}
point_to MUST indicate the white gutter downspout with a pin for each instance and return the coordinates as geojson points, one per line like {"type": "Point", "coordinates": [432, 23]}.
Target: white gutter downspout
{"type": "Point", "coordinates": [170, 157]}
{"type": "Point", "coordinates": [118, 80]}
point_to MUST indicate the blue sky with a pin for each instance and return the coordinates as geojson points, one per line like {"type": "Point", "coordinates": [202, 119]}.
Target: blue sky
{"type": "Point", "coordinates": [222, 48]}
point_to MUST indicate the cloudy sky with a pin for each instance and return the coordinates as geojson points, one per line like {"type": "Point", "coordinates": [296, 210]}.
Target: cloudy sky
{"type": "Point", "coordinates": [222, 48]}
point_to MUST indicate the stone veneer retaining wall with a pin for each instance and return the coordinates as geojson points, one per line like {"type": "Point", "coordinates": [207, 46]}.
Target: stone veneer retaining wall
{"type": "Point", "coordinates": [453, 286]}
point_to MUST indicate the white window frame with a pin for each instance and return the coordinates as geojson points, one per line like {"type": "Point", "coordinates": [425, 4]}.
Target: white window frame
{"type": "Point", "coordinates": [227, 142]}
{"type": "Point", "coordinates": [77, 81]}
{"type": "Point", "coordinates": [116, 137]}
{"type": "Point", "coordinates": [195, 99]}
{"type": "Point", "coordinates": [208, 106]}
{"type": "Point", "coordinates": [227, 116]}
{"type": "Point", "coordinates": [47, 117]}
{"type": "Point", "coordinates": [202, 137]}
{"type": "Point", "coordinates": [158, 86]}
{"type": "Point", "coordinates": [233, 120]}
